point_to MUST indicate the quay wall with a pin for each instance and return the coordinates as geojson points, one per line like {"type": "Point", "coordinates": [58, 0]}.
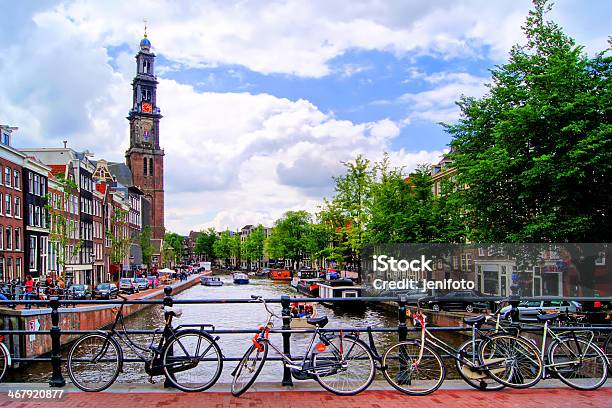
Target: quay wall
{"type": "Point", "coordinates": [85, 317]}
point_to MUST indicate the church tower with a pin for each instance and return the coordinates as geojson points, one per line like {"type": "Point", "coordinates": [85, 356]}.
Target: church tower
{"type": "Point", "coordinates": [145, 158]}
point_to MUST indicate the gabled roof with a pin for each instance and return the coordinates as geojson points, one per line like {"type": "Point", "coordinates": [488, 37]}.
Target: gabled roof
{"type": "Point", "coordinates": [122, 173]}
{"type": "Point", "coordinates": [58, 169]}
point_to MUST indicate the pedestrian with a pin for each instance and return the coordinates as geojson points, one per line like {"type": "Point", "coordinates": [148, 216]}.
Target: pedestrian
{"type": "Point", "coordinates": [29, 290]}
{"type": "Point", "coordinates": [60, 282]}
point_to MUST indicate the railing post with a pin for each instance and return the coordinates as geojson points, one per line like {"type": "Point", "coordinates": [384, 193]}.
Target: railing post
{"type": "Point", "coordinates": [57, 380]}
{"type": "Point", "coordinates": [286, 313]}
{"type": "Point", "coordinates": [514, 312]}
{"type": "Point", "coordinates": [167, 302]}
{"type": "Point", "coordinates": [402, 330]}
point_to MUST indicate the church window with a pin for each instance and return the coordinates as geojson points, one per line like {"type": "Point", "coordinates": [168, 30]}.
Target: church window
{"type": "Point", "coordinates": [146, 66]}
{"type": "Point", "coordinates": [151, 166]}
{"type": "Point", "coordinates": [145, 162]}
{"type": "Point", "coordinates": [146, 94]}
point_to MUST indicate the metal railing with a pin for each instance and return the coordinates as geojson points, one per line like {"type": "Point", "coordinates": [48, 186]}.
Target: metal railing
{"type": "Point", "coordinates": [402, 329]}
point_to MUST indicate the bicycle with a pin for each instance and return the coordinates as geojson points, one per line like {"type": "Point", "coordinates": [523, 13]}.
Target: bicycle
{"type": "Point", "coordinates": [341, 364]}
{"type": "Point", "coordinates": [572, 356]}
{"type": "Point", "coordinates": [5, 358]}
{"type": "Point", "coordinates": [190, 358]}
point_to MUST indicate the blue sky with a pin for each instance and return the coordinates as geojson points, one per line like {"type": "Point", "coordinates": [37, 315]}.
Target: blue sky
{"type": "Point", "coordinates": [261, 100]}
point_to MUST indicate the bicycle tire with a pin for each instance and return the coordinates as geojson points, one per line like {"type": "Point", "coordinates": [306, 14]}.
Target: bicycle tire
{"type": "Point", "coordinates": [4, 360]}
{"type": "Point", "coordinates": [107, 341]}
{"type": "Point", "coordinates": [497, 347]}
{"type": "Point", "coordinates": [482, 384]}
{"type": "Point", "coordinates": [322, 376]}
{"type": "Point", "coordinates": [408, 354]}
{"type": "Point", "coordinates": [238, 391]}
{"type": "Point", "coordinates": [563, 373]}
{"type": "Point", "coordinates": [202, 338]}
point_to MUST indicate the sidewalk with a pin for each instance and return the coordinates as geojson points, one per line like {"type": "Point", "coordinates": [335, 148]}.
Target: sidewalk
{"type": "Point", "coordinates": [456, 398]}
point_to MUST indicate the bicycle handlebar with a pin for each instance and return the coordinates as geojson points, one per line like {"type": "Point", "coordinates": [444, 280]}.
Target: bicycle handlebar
{"type": "Point", "coordinates": [262, 300]}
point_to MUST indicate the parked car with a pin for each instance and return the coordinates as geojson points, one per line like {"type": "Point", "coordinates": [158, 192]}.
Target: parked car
{"type": "Point", "coordinates": [128, 285]}
{"type": "Point", "coordinates": [529, 310]}
{"type": "Point", "coordinates": [153, 281]}
{"type": "Point", "coordinates": [106, 291]}
{"type": "Point", "coordinates": [466, 300]}
{"type": "Point", "coordinates": [79, 292]}
{"type": "Point", "coordinates": [142, 283]}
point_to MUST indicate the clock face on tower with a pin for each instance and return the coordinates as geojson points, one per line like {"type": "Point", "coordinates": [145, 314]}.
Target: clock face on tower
{"type": "Point", "coordinates": [147, 107]}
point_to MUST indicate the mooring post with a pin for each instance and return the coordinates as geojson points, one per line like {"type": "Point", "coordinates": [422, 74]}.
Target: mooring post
{"type": "Point", "coordinates": [57, 380]}
{"type": "Point", "coordinates": [286, 313]}
{"type": "Point", "coordinates": [514, 301]}
{"type": "Point", "coordinates": [167, 333]}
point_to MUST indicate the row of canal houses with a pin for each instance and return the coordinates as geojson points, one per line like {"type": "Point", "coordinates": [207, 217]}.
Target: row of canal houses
{"type": "Point", "coordinates": [86, 229]}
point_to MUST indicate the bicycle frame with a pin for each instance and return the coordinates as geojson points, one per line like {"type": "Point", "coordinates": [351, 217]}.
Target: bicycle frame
{"type": "Point", "coordinates": [577, 358]}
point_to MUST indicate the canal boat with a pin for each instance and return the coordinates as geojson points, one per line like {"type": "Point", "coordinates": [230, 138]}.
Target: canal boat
{"type": "Point", "coordinates": [279, 275]}
{"type": "Point", "coordinates": [304, 274]}
{"type": "Point", "coordinates": [240, 279]}
{"type": "Point", "coordinates": [300, 313]}
{"type": "Point", "coordinates": [341, 288]}
{"type": "Point", "coordinates": [309, 287]}
{"type": "Point", "coordinates": [211, 281]}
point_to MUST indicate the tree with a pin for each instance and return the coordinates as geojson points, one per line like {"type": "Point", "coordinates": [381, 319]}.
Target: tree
{"type": "Point", "coordinates": [289, 236]}
{"type": "Point", "coordinates": [536, 151]}
{"type": "Point", "coordinates": [253, 246]}
{"type": "Point", "coordinates": [145, 245]}
{"type": "Point", "coordinates": [118, 236]}
{"type": "Point", "coordinates": [63, 228]}
{"type": "Point", "coordinates": [173, 247]}
{"type": "Point", "coordinates": [222, 247]}
{"type": "Point", "coordinates": [205, 241]}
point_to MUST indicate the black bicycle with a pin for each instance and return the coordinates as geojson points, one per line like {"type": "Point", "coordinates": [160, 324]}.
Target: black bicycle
{"type": "Point", "coordinates": [187, 355]}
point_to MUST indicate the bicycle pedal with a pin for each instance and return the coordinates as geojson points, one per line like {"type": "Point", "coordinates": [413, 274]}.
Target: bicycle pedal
{"type": "Point", "coordinates": [151, 380]}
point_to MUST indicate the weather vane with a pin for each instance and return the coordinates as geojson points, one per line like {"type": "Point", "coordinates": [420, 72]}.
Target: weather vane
{"type": "Point", "coordinates": [145, 27]}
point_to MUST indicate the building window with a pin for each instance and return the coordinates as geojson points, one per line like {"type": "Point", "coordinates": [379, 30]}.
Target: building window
{"type": "Point", "coordinates": [17, 239]}
{"type": "Point", "coordinates": [31, 214]}
{"type": "Point", "coordinates": [151, 166]}
{"type": "Point", "coordinates": [7, 205]}
{"type": "Point", "coordinates": [9, 267]}
{"type": "Point", "coordinates": [7, 177]}
{"type": "Point", "coordinates": [6, 139]}
{"type": "Point", "coordinates": [18, 267]}
{"type": "Point", "coordinates": [1, 237]}
{"type": "Point", "coordinates": [43, 255]}
{"type": "Point", "coordinates": [146, 66]}
{"type": "Point", "coordinates": [144, 164]}
{"type": "Point", "coordinates": [43, 183]}
{"type": "Point", "coordinates": [9, 238]}
{"type": "Point", "coordinates": [33, 252]}
{"type": "Point", "coordinates": [146, 94]}
{"type": "Point", "coordinates": [36, 184]}
{"type": "Point", "coordinates": [30, 183]}
{"type": "Point", "coordinates": [17, 212]}
{"type": "Point", "coordinates": [1, 203]}
{"type": "Point", "coordinates": [16, 180]}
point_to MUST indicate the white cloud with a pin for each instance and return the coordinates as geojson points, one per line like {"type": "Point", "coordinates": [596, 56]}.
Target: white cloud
{"type": "Point", "coordinates": [437, 104]}
{"type": "Point", "coordinates": [301, 38]}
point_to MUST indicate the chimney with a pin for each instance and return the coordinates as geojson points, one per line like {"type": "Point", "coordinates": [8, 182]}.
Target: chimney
{"type": "Point", "coordinates": [65, 143]}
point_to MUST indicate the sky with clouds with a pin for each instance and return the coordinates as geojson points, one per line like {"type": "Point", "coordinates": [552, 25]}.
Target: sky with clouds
{"type": "Point", "coordinates": [262, 100]}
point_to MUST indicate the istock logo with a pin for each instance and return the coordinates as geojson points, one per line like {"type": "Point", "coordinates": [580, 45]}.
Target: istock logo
{"type": "Point", "coordinates": [384, 263]}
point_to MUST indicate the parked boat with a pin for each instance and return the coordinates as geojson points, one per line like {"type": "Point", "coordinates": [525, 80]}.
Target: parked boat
{"type": "Point", "coordinates": [309, 287]}
{"type": "Point", "coordinates": [279, 275]}
{"type": "Point", "coordinates": [211, 281]}
{"type": "Point", "coordinates": [341, 288]}
{"type": "Point", "coordinates": [241, 279]}
{"type": "Point", "coordinates": [304, 274]}
{"type": "Point", "coordinates": [300, 313]}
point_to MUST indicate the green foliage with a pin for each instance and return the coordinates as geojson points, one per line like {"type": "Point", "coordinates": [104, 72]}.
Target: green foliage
{"type": "Point", "coordinates": [289, 237]}
{"type": "Point", "coordinates": [205, 242]}
{"type": "Point", "coordinates": [173, 247]}
{"type": "Point", "coordinates": [222, 247]}
{"type": "Point", "coordinates": [253, 246]}
{"type": "Point", "coordinates": [118, 236]}
{"type": "Point", "coordinates": [536, 151]}
{"type": "Point", "coordinates": [145, 245]}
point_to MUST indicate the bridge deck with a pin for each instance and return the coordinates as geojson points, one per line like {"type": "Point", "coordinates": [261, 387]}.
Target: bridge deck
{"type": "Point", "coordinates": [454, 396]}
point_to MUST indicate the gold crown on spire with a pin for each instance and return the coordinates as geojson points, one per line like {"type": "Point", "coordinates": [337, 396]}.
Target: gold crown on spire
{"type": "Point", "coordinates": [145, 27]}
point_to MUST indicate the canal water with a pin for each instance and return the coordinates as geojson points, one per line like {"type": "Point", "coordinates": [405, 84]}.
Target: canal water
{"type": "Point", "coordinates": [232, 316]}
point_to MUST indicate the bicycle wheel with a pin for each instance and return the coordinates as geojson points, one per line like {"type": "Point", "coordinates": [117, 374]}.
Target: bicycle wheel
{"type": "Point", "coordinates": [4, 360]}
{"type": "Point", "coordinates": [607, 348]}
{"type": "Point", "coordinates": [578, 363]}
{"type": "Point", "coordinates": [345, 367]}
{"type": "Point", "coordinates": [479, 380]}
{"type": "Point", "coordinates": [192, 361]}
{"type": "Point", "coordinates": [411, 375]}
{"type": "Point", "coordinates": [249, 368]}
{"type": "Point", "coordinates": [511, 361]}
{"type": "Point", "coordinates": [94, 362]}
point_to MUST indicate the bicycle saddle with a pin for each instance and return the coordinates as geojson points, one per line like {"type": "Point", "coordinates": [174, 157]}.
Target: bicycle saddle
{"type": "Point", "coordinates": [173, 311]}
{"type": "Point", "coordinates": [318, 321]}
{"type": "Point", "coordinates": [547, 316]}
{"type": "Point", "coordinates": [475, 319]}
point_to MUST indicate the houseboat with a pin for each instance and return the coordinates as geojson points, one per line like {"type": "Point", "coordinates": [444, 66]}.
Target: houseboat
{"type": "Point", "coordinates": [341, 288]}
{"type": "Point", "coordinates": [303, 274]}
{"type": "Point", "coordinates": [279, 275]}
{"type": "Point", "coordinates": [309, 287]}
{"type": "Point", "coordinates": [211, 281]}
{"type": "Point", "coordinates": [240, 279]}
